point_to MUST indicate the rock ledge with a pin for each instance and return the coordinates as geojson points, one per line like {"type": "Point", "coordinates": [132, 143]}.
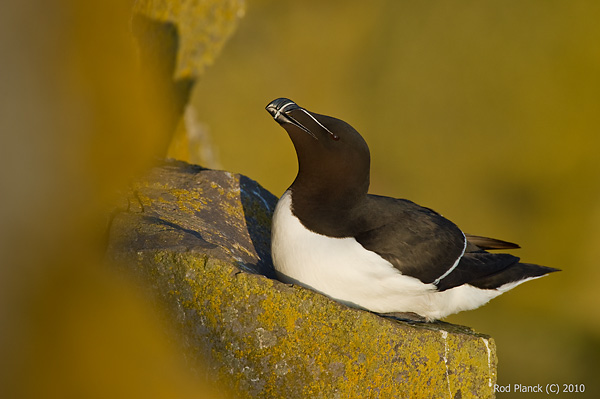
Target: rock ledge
{"type": "Point", "coordinates": [198, 239]}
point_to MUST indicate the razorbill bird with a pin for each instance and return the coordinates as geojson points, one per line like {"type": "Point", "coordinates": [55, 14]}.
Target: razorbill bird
{"type": "Point", "coordinates": [377, 253]}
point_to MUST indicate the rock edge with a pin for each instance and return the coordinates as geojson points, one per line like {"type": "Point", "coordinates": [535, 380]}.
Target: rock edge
{"type": "Point", "coordinates": [198, 240]}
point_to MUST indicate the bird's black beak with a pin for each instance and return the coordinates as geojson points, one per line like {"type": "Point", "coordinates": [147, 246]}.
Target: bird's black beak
{"type": "Point", "coordinates": [280, 109]}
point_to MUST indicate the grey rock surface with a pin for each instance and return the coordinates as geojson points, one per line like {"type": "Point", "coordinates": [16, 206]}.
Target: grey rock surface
{"type": "Point", "coordinates": [199, 240]}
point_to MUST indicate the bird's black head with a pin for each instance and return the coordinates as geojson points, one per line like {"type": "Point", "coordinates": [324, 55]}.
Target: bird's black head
{"type": "Point", "coordinates": [333, 158]}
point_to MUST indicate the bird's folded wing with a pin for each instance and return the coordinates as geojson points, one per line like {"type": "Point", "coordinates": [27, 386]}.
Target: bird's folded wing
{"type": "Point", "coordinates": [417, 241]}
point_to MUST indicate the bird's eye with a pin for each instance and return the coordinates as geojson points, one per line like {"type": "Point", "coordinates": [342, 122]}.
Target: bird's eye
{"type": "Point", "coordinates": [335, 137]}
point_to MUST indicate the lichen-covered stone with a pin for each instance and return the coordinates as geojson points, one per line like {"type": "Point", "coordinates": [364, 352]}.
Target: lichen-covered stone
{"type": "Point", "coordinates": [202, 28]}
{"type": "Point", "coordinates": [200, 240]}
{"type": "Point", "coordinates": [177, 40]}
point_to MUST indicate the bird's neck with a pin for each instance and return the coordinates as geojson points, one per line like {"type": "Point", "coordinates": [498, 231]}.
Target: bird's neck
{"type": "Point", "coordinates": [328, 207]}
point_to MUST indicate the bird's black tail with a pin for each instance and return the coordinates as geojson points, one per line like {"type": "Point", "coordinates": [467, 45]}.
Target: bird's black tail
{"type": "Point", "coordinates": [517, 272]}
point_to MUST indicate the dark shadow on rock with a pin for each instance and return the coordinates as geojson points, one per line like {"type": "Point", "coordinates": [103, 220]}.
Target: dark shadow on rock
{"type": "Point", "coordinates": [189, 241]}
{"type": "Point", "coordinates": [189, 168]}
{"type": "Point", "coordinates": [258, 205]}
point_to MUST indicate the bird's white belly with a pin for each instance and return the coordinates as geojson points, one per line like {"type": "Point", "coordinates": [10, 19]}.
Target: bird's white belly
{"type": "Point", "coordinates": [344, 270]}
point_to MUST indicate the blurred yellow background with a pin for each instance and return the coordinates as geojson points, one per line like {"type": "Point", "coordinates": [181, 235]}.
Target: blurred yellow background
{"type": "Point", "coordinates": [488, 112]}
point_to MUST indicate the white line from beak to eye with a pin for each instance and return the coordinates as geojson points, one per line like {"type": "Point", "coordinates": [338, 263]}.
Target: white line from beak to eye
{"type": "Point", "coordinates": [318, 123]}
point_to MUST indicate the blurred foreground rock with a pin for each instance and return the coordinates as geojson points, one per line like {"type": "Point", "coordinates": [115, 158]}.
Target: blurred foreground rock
{"type": "Point", "coordinates": [198, 239]}
{"type": "Point", "coordinates": [178, 40]}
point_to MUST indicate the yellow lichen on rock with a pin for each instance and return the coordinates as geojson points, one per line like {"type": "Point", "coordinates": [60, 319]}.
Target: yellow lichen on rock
{"type": "Point", "coordinates": [203, 28]}
{"type": "Point", "coordinates": [264, 338]}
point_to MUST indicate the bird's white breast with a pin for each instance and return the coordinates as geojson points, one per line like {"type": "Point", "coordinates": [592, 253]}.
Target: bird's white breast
{"type": "Point", "coordinates": [344, 270]}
